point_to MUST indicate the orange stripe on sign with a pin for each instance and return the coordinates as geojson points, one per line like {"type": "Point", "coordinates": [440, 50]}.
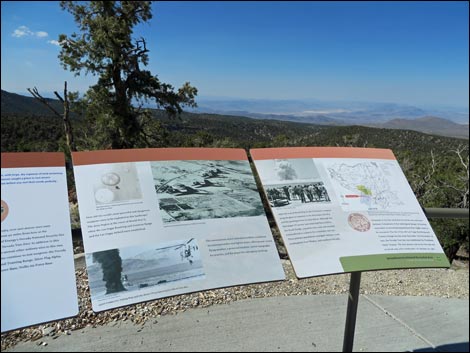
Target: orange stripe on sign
{"type": "Point", "coordinates": [321, 152]}
{"type": "Point", "coordinates": [157, 154]}
{"type": "Point", "coordinates": [32, 159]}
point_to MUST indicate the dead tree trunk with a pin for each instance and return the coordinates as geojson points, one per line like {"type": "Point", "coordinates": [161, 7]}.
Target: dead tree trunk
{"type": "Point", "coordinates": [65, 116]}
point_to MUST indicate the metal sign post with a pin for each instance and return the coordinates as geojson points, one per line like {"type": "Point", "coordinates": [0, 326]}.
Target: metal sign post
{"type": "Point", "coordinates": [353, 301]}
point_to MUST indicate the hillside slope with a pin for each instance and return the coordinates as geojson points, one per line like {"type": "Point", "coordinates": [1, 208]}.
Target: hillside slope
{"type": "Point", "coordinates": [15, 104]}
{"type": "Point", "coordinates": [12, 103]}
{"type": "Point", "coordinates": [430, 125]}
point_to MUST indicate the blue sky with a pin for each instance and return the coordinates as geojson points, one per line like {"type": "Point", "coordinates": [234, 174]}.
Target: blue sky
{"type": "Point", "coordinates": [404, 52]}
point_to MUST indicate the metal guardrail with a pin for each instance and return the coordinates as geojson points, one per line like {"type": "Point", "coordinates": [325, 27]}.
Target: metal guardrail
{"type": "Point", "coordinates": [446, 212]}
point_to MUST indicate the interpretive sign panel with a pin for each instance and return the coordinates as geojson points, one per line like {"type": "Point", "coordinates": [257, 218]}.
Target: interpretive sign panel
{"type": "Point", "coordinates": [345, 210]}
{"type": "Point", "coordinates": [162, 222]}
{"type": "Point", "coordinates": [38, 275]}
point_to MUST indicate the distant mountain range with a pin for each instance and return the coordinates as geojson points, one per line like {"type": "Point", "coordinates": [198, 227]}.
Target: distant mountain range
{"type": "Point", "coordinates": [430, 125]}
{"type": "Point", "coordinates": [340, 110]}
{"type": "Point", "coordinates": [446, 122]}
{"type": "Point", "coordinates": [449, 122]}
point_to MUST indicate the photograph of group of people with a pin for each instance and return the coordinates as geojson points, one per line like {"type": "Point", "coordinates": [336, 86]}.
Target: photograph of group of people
{"type": "Point", "coordinates": [292, 194]}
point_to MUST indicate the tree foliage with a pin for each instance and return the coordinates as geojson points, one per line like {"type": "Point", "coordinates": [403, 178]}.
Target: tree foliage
{"type": "Point", "coordinates": [105, 47]}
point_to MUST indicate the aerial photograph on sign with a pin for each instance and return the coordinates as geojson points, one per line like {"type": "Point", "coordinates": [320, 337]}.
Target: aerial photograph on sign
{"type": "Point", "coordinates": [194, 190]}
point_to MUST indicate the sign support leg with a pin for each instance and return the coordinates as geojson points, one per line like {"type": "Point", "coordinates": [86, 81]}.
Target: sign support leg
{"type": "Point", "coordinates": [353, 301]}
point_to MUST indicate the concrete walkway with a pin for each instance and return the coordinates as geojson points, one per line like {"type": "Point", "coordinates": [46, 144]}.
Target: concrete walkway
{"type": "Point", "coordinates": [302, 323]}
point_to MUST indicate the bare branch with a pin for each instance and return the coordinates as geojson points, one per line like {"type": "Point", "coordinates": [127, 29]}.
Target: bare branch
{"type": "Point", "coordinates": [67, 124]}
{"type": "Point", "coordinates": [460, 183]}
{"type": "Point", "coordinates": [422, 185]}
{"type": "Point", "coordinates": [65, 116]}
{"type": "Point", "coordinates": [58, 96]}
{"type": "Point", "coordinates": [35, 93]}
{"type": "Point", "coordinates": [460, 149]}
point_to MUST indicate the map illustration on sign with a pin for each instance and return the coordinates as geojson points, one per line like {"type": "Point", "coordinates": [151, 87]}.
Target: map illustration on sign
{"type": "Point", "coordinates": [365, 185]}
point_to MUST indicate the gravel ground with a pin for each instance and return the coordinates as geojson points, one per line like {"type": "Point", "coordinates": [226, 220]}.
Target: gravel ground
{"type": "Point", "coordinates": [452, 283]}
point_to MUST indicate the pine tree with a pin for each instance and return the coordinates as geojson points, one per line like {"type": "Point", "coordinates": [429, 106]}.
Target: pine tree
{"type": "Point", "coordinates": [106, 48]}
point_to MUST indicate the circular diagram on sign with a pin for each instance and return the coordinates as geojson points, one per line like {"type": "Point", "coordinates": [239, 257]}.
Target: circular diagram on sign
{"type": "Point", "coordinates": [5, 210]}
{"type": "Point", "coordinates": [359, 222]}
{"type": "Point", "coordinates": [104, 195]}
{"type": "Point", "coordinates": [110, 179]}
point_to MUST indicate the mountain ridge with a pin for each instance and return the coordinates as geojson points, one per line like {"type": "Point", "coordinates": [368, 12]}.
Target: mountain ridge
{"type": "Point", "coordinates": [12, 103]}
{"type": "Point", "coordinates": [430, 125]}
{"type": "Point", "coordinates": [16, 104]}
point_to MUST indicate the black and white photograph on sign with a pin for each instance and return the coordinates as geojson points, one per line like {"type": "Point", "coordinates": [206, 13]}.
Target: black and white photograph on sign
{"type": "Point", "coordinates": [291, 195]}
{"type": "Point", "coordinates": [117, 182]}
{"type": "Point", "coordinates": [136, 268]}
{"type": "Point", "coordinates": [285, 170]}
{"type": "Point", "coordinates": [194, 190]}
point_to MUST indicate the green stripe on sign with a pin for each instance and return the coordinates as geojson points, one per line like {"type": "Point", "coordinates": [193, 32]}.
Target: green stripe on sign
{"type": "Point", "coordinates": [392, 261]}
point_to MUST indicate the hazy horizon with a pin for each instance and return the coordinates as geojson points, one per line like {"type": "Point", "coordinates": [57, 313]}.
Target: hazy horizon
{"type": "Point", "coordinates": [200, 98]}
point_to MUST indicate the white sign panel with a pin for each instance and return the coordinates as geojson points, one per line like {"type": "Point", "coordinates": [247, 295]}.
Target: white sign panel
{"type": "Point", "coordinates": [346, 209]}
{"type": "Point", "coordinates": [38, 275]}
{"type": "Point", "coordinates": [162, 222]}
